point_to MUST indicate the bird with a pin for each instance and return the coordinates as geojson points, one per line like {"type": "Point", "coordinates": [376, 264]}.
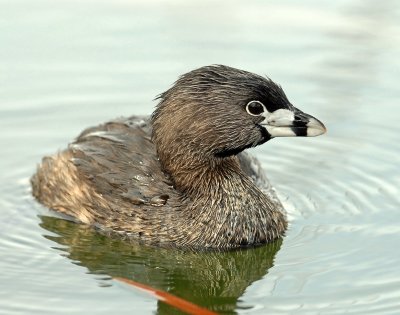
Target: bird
{"type": "Point", "coordinates": [180, 177]}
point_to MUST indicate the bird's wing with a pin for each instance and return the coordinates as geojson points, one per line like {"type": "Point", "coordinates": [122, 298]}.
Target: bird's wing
{"type": "Point", "coordinates": [119, 161]}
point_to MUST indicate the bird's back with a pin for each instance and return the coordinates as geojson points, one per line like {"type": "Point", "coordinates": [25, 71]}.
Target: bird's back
{"type": "Point", "coordinates": [110, 177]}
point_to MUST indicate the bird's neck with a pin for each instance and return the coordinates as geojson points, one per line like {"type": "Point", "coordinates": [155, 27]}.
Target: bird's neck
{"type": "Point", "coordinates": [196, 177]}
{"type": "Point", "coordinates": [225, 206]}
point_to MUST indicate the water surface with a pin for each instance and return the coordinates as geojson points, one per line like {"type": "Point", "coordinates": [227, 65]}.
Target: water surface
{"type": "Point", "coordinates": [67, 65]}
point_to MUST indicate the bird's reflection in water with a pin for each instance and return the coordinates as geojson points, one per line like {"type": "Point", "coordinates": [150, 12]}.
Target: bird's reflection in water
{"type": "Point", "coordinates": [214, 280]}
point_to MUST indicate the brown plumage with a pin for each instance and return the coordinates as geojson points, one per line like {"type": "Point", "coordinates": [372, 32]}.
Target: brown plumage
{"type": "Point", "coordinates": [179, 178]}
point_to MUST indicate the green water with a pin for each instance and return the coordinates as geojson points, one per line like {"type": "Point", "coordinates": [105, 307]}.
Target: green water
{"type": "Point", "coordinates": [66, 65]}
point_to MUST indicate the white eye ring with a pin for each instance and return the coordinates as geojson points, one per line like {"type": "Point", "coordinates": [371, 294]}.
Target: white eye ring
{"type": "Point", "coordinates": [253, 108]}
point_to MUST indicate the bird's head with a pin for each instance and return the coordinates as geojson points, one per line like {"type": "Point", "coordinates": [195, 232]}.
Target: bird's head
{"type": "Point", "coordinates": [218, 111]}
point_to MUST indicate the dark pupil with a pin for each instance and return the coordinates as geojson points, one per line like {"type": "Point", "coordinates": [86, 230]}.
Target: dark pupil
{"type": "Point", "coordinates": [255, 108]}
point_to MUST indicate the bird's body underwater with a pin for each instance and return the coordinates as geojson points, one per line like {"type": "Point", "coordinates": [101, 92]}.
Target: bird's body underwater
{"type": "Point", "coordinates": [181, 178]}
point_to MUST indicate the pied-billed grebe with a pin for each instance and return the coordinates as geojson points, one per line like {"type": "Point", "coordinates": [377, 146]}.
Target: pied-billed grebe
{"type": "Point", "coordinates": [180, 177]}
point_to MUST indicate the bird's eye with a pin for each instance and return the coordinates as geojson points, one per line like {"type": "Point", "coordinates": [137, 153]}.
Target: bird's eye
{"type": "Point", "coordinates": [255, 108]}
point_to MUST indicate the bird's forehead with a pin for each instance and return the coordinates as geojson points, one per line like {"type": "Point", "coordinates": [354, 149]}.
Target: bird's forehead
{"type": "Point", "coordinates": [271, 95]}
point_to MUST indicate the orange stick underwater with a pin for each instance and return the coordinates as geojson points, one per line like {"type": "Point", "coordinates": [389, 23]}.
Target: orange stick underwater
{"type": "Point", "coordinates": [170, 299]}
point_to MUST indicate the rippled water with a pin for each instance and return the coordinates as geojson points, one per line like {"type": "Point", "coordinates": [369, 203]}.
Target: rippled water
{"type": "Point", "coordinates": [66, 65]}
